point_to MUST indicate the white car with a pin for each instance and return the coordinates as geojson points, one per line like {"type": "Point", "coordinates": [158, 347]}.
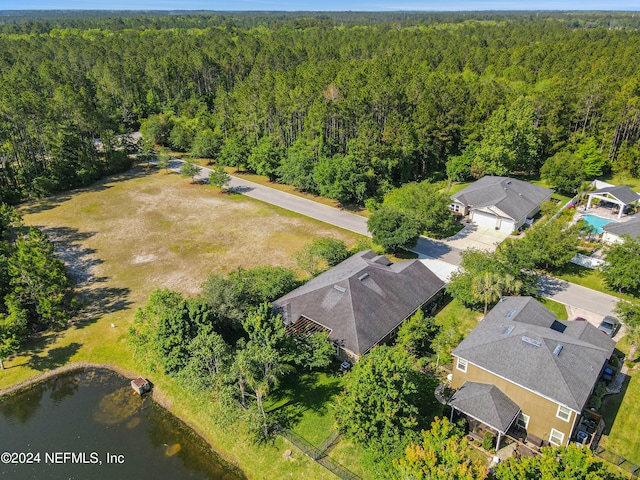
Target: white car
{"type": "Point", "coordinates": [609, 325]}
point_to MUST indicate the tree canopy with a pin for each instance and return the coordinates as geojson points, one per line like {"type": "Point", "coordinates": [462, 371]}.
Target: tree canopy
{"type": "Point", "coordinates": [382, 406]}
{"type": "Point", "coordinates": [562, 463]}
{"type": "Point", "coordinates": [622, 269]}
{"type": "Point", "coordinates": [348, 105]}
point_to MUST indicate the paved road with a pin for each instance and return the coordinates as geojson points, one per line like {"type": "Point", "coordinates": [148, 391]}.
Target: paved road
{"type": "Point", "coordinates": [576, 296]}
{"type": "Point", "coordinates": [309, 208]}
{"type": "Point", "coordinates": [563, 292]}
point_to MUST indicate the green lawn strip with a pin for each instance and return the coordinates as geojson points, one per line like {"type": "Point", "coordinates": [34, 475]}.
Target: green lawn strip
{"type": "Point", "coordinates": [620, 414]}
{"type": "Point", "coordinates": [457, 186]}
{"type": "Point", "coordinates": [350, 455]}
{"type": "Point", "coordinates": [558, 308]}
{"type": "Point", "coordinates": [256, 460]}
{"type": "Point", "coordinates": [622, 179]}
{"type": "Point", "coordinates": [260, 180]}
{"type": "Point", "coordinates": [478, 457]}
{"type": "Point", "coordinates": [588, 278]}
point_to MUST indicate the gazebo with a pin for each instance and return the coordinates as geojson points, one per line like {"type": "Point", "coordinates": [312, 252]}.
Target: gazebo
{"type": "Point", "coordinates": [620, 195]}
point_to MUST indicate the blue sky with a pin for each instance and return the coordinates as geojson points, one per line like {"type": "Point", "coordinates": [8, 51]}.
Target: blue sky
{"type": "Point", "coordinates": [324, 5]}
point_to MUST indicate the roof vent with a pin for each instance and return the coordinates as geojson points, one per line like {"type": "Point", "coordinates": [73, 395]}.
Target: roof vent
{"type": "Point", "coordinates": [339, 288]}
{"type": "Point", "coordinates": [363, 276]}
{"type": "Point", "coordinates": [510, 313]}
{"type": "Point", "coordinates": [508, 182]}
{"type": "Point", "coordinates": [557, 350]}
{"type": "Point", "coordinates": [531, 341]}
{"type": "Point", "coordinates": [509, 330]}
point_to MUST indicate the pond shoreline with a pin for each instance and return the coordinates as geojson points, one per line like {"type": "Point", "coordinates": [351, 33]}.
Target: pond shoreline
{"type": "Point", "coordinates": [156, 395]}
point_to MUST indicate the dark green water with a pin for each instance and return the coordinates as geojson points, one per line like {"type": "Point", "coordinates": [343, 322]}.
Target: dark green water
{"type": "Point", "coordinates": [90, 425]}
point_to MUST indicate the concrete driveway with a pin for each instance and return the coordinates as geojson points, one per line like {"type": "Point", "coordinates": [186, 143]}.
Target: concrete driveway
{"type": "Point", "coordinates": [449, 249]}
{"type": "Point", "coordinates": [473, 236]}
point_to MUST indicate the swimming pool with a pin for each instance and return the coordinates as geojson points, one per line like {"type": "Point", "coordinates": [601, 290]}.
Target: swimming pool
{"type": "Point", "coordinates": [596, 222]}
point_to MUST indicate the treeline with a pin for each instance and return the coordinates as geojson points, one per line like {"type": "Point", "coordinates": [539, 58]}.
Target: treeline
{"type": "Point", "coordinates": [35, 292]}
{"type": "Point", "coordinates": [43, 21]}
{"type": "Point", "coordinates": [347, 111]}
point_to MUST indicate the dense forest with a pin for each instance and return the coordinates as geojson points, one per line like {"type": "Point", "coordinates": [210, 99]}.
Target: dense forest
{"type": "Point", "coordinates": [331, 105]}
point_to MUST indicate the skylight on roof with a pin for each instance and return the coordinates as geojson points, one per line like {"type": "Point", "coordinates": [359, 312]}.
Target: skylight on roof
{"type": "Point", "coordinates": [510, 313]}
{"type": "Point", "coordinates": [509, 329]}
{"type": "Point", "coordinates": [363, 276]}
{"type": "Point", "coordinates": [531, 341]}
{"type": "Point", "coordinates": [339, 288]}
{"type": "Point", "coordinates": [557, 350]}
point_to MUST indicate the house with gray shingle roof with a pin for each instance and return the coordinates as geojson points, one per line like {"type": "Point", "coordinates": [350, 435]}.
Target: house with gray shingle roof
{"type": "Point", "coordinates": [614, 232]}
{"type": "Point", "coordinates": [499, 202]}
{"type": "Point", "coordinates": [543, 368]}
{"type": "Point", "coordinates": [360, 302]}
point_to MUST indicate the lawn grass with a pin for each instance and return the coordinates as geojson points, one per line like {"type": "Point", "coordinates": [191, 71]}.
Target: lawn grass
{"type": "Point", "coordinates": [622, 179]}
{"type": "Point", "coordinates": [132, 233]}
{"type": "Point", "coordinates": [457, 186]}
{"type": "Point", "coordinates": [468, 318]}
{"type": "Point", "coordinates": [305, 404]}
{"type": "Point", "coordinates": [536, 180]}
{"type": "Point", "coordinates": [620, 413]}
{"type": "Point", "coordinates": [558, 308]}
{"type": "Point", "coordinates": [589, 278]}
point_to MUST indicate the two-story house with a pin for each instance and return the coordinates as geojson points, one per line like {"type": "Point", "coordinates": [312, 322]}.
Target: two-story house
{"type": "Point", "coordinates": [522, 366]}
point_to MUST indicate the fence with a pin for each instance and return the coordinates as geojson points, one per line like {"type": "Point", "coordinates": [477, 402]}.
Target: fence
{"type": "Point", "coordinates": [622, 463]}
{"type": "Point", "coordinates": [318, 455]}
{"type": "Point", "coordinates": [588, 262]}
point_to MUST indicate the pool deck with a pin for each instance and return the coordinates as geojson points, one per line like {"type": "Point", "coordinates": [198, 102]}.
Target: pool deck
{"type": "Point", "coordinates": [603, 213]}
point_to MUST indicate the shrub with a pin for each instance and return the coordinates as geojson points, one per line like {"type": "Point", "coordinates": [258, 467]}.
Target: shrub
{"type": "Point", "coordinates": [487, 440]}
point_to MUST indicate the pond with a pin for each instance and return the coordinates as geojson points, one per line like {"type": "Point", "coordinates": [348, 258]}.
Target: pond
{"type": "Point", "coordinates": [90, 424]}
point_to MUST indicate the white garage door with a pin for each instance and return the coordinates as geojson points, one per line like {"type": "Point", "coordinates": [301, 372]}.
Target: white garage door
{"type": "Point", "coordinates": [490, 221]}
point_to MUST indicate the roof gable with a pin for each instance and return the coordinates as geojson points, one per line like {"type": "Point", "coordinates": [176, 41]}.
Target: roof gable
{"type": "Point", "coordinates": [529, 349]}
{"type": "Point", "coordinates": [362, 299]}
{"type": "Point", "coordinates": [620, 192]}
{"type": "Point", "coordinates": [515, 198]}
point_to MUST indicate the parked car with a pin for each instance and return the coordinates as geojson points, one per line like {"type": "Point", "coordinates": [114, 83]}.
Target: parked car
{"type": "Point", "coordinates": [609, 325]}
{"type": "Point", "coordinates": [579, 319]}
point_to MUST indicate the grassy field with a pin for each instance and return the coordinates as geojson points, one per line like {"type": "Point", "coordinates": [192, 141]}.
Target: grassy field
{"type": "Point", "coordinates": [130, 234]}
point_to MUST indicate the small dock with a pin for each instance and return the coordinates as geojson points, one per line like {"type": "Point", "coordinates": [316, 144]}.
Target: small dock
{"type": "Point", "coordinates": [141, 385]}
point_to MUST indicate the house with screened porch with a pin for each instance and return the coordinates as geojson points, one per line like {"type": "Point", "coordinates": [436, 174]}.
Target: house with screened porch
{"type": "Point", "coordinates": [522, 370]}
{"type": "Point", "coordinates": [360, 302]}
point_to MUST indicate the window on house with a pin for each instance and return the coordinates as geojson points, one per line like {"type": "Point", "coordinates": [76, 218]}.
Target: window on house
{"type": "Point", "coordinates": [564, 413]}
{"type": "Point", "coordinates": [462, 365]}
{"type": "Point", "coordinates": [556, 437]}
{"type": "Point", "coordinates": [523, 421]}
